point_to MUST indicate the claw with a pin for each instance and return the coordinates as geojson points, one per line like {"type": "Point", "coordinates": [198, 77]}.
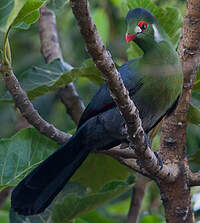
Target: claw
{"type": "Point", "coordinates": [147, 140]}
{"type": "Point", "coordinates": [139, 164]}
{"type": "Point", "coordinates": [159, 160]}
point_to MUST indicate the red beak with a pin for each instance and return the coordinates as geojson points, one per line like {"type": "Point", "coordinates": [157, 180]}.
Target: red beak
{"type": "Point", "coordinates": [129, 37]}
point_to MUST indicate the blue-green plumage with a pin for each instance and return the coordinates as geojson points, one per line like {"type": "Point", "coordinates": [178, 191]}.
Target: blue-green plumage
{"type": "Point", "coordinates": [154, 82]}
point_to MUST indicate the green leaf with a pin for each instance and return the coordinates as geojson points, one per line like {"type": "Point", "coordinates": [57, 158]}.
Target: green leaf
{"type": "Point", "coordinates": [196, 87]}
{"type": "Point", "coordinates": [46, 216]}
{"type": "Point", "coordinates": [30, 19]}
{"type": "Point", "coordinates": [21, 153]}
{"type": "Point", "coordinates": [29, 13]}
{"type": "Point", "coordinates": [102, 22]}
{"type": "Point", "coordinates": [193, 146]}
{"type": "Point", "coordinates": [39, 80]}
{"type": "Point", "coordinates": [95, 217]}
{"type": "Point", "coordinates": [73, 205]}
{"type": "Point", "coordinates": [4, 216]}
{"type": "Point", "coordinates": [9, 9]}
{"type": "Point", "coordinates": [79, 220]}
{"type": "Point", "coordinates": [73, 201]}
{"type": "Point", "coordinates": [19, 13]}
{"type": "Point", "coordinates": [152, 219]}
{"type": "Point", "coordinates": [97, 175]}
{"type": "Point", "coordinates": [117, 3]}
{"type": "Point", "coordinates": [57, 5]}
{"type": "Point", "coordinates": [194, 115]}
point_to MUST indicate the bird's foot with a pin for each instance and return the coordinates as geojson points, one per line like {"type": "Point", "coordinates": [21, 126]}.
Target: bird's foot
{"type": "Point", "coordinates": [131, 145]}
{"type": "Point", "coordinates": [139, 163]}
{"type": "Point", "coordinates": [128, 143]}
{"type": "Point", "coordinates": [147, 141]}
{"type": "Point", "coordinates": [159, 159]}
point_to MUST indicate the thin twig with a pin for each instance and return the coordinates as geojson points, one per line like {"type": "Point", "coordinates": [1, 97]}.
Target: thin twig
{"type": "Point", "coordinates": [194, 179]}
{"type": "Point", "coordinates": [50, 49]}
{"type": "Point", "coordinates": [138, 193]}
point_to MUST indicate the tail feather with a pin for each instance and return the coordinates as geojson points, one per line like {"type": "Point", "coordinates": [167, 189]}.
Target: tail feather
{"type": "Point", "coordinates": [36, 191]}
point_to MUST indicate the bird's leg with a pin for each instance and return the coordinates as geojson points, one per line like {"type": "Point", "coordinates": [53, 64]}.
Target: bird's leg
{"type": "Point", "coordinates": [131, 145]}
{"type": "Point", "coordinates": [152, 135]}
{"type": "Point", "coordinates": [147, 144]}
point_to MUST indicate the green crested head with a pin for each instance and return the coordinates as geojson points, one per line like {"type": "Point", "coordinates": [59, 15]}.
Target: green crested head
{"type": "Point", "coordinates": [144, 29]}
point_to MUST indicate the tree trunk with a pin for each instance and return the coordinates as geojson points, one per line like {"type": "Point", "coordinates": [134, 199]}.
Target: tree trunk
{"type": "Point", "coordinates": [176, 196]}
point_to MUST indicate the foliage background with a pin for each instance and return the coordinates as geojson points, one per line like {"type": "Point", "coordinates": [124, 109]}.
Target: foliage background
{"type": "Point", "coordinates": [25, 45]}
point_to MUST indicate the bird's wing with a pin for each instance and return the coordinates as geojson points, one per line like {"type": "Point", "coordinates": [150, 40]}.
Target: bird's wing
{"type": "Point", "coordinates": [102, 101]}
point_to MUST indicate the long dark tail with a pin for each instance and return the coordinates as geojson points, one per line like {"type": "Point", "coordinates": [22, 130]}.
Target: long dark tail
{"type": "Point", "coordinates": [36, 191]}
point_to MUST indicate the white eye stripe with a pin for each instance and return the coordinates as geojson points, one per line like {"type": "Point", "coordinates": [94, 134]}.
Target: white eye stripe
{"type": "Point", "coordinates": [157, 36]}
{"type": "Point", "coordinates": [138, 29]}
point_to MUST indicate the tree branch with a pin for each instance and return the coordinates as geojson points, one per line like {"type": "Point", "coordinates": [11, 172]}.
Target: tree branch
{"type": "Point", "coordinates": [50, 49]}
{"type": "Point", "coordinates": [125, 153]}
{"type": "Point", "coordinates": [133, 165]}
{"type": "Point", "coordinates": [105, 64]}
{"type": "Point", "coordinates": [194, 179]}
{"type": "Point", "coordinates": [72, 101]}
{"type": "Point", "coordinates": [26, 108]}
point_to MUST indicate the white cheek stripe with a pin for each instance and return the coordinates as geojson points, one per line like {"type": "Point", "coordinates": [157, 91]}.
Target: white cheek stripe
{"type": "Point", "coordinates": [157, 36]}
{"type": "Point", "coordinates": [137, 29]}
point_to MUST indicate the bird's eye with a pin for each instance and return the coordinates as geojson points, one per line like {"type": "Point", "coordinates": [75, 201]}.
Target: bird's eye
{"type": "Point", "coordinates": [142, 25]}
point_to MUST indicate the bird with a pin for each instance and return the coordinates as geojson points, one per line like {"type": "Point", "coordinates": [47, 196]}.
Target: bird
{"type": "Point", "coordinates": [154, 81]}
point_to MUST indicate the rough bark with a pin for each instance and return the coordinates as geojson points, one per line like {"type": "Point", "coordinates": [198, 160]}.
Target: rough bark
{"type": "Point", "coordinates": [176, 196]}
{"type": "Point", "coordinates": [194, 179]}
{"type": "Point", "coordinates": [50, 49]}
{"type": "Point", "coordinates": [119, 93]}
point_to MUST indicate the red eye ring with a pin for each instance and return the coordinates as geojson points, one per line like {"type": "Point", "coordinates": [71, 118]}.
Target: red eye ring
{"type": "Point", "coordinates": [142, 25]}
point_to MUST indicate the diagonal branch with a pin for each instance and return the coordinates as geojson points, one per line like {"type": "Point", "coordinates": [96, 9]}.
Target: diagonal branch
{"type": "Point", "coordinates": [26, 108]}
{"type": "Point", "coordinates": [50, 49]}
{"type": "Point", "coordinates": [105, 64]}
